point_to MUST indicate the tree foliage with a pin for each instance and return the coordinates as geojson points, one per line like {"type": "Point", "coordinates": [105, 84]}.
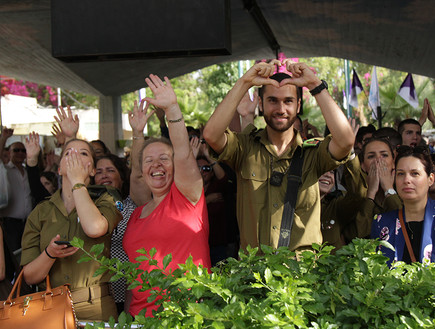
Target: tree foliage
{"type": "Point", "coordinates": [393, 106]}
{"type": "Point", "coordinates": [201, 91]}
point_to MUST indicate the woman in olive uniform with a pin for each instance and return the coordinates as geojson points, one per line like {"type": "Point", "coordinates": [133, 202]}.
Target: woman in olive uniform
{"type": "Point", "coordinates": [377, 166]}
{"type": "Point", "coordinates": [71, 212]}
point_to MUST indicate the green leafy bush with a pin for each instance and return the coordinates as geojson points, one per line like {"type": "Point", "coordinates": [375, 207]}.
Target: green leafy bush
{"type": "Point", "coordinates": [352, 289]}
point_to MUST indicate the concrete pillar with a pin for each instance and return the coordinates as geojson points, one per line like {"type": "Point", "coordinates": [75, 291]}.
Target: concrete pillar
{"type": "Point", "coordinates": [110, 117]}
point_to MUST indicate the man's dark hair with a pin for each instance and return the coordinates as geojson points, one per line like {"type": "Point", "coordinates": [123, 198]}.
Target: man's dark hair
{"type": "Point", "coordinates": [389, 133]}
{"type": "Point", "coordinates": [370, 129]}
{"type": "Point", "coordinates": [280, 76]}
{"type": "Point", "coordinates": [402, 124]}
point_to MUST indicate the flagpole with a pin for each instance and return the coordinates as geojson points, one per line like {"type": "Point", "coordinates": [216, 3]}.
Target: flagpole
{"type": "Point", "coordinates": [379, 115]}
{"type": "Point", "coordinates": [59, 97]}
{"type": "Point", "coordinates": [347, 87]}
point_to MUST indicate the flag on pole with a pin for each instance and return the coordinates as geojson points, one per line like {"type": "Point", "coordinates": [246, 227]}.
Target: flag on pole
{"type": "Point", "coordinates": [374, 100]}
{"type": "Point", "coordinates": [407, 91]}
{"type": "Point", "coordinates": [355, 89]}
{"type": "Point", "coordinates": [344, 100]}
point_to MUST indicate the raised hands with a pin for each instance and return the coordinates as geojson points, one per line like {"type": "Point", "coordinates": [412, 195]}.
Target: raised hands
{"type": "Point", "coordinates": [32, 149]}
{"type": "Point", "coordinates": [138, 118]}
{"type": "Point", "coordinates": [247, 106]}
{"type": "Point", "coordinates": [161, 116]}
{"type": "Point", "coordinates": [430, 114]}
{"type": "Point", "coordinates": [58, 134]}
{"type": "Point", "coordinates": [424, 114]}
{"type": "Point", "coordinates": [164, 95]}
{"type": "Point", "coordinates": [354, 125]}
{"type": "Point", "coordinates": [50, 160]}
{"type": "Point", "coordinates": [302, 75]}
{"type": "Point", "coordinates": [204, 150]}
{"type": "Point", "coordinates": [259, 74]}
{"type": "Point", "coordinates": [68, 123]}
{"type": "Point", "coordinates": [6, 133]}
{"type": "Point", "coordinates": [195, 144]}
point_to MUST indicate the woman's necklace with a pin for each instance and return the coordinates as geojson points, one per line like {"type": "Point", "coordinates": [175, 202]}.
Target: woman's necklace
{"type": "Point", "coordinates": [410, 230]}
{"type": "Point", "coordinates": [414, 228]}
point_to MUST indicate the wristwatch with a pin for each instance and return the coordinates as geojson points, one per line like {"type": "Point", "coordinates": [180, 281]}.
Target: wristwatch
{"type": "Point", "coordinates": [319, 88]}
{"type": "Point", "coordinates": [390, 191]}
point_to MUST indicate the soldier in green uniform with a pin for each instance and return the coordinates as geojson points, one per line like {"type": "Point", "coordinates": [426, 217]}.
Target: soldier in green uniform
{"type": "Point", "coordinates": [68, 213]}
{"type": "Point", "coordinates": [338, 211]}
{"type": "Point", "coordinates": [258, 156]}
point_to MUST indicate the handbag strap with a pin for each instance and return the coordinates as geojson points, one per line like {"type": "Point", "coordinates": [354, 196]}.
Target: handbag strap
{"type": "Point", "coordinates": [405, 235]}
{"type": "Point", "coordinates": [294, 179]}
{"type": "Point", "coordinates": [17, 287]}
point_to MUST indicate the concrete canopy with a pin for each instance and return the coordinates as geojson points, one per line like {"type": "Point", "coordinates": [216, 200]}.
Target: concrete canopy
{"type": "Point", "coordinates": [396, 34]}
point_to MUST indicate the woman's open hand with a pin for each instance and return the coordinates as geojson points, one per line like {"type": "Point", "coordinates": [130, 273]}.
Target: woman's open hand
{"type": "Point", "coordinates": [164, 95]}
{"type": "Point", "coordinates": [138, 118]}
{"type": "Point", "coordinates": [68, 123]}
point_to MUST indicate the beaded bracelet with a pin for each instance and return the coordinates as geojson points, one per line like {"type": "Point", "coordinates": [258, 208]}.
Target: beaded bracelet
{"type": "Point", "coordinates": [175, 121]}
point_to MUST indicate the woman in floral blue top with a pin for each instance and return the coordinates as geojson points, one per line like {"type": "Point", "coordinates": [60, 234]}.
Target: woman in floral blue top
{"type": "Point", "coordinates": [413, 178]}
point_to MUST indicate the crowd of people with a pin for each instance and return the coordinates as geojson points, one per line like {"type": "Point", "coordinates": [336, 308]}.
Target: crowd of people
{"type": "Point", "coordinates": [206, 192]}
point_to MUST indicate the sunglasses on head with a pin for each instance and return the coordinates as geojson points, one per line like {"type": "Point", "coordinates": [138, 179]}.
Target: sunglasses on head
{"type": "Point", "coordinates": [19, 150]}
{"type": "Point", "coordinates": [205, 168]}
{"type": "Point", "coordinates": [406, 149]}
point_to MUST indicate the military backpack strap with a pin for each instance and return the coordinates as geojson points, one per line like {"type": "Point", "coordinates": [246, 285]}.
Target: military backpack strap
{"type": "Point", "coordinates": [294, 180]}
{"type": "Point", "coordinates": [95, 191]}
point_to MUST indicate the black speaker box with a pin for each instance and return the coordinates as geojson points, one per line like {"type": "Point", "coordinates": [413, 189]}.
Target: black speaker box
{"type": "Point", "coordinates": [99, 30]}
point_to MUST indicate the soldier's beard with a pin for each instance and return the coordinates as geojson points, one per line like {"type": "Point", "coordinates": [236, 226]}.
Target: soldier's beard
{"type": "Point", "coordinates": [279, 127]}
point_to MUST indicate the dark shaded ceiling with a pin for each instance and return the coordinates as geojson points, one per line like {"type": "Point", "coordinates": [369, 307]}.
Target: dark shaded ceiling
{"type": "Point", "coordinates": [395, 34]}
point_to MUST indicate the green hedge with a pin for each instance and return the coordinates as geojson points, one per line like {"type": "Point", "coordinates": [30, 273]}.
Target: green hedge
{"type": "Point", "coordinates": [352, 289]}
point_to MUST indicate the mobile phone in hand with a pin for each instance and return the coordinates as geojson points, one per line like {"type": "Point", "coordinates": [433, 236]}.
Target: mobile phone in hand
{"type": "Point", "coordinates": [63, 243]}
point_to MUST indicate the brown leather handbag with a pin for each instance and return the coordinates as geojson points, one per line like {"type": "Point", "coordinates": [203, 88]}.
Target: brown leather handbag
{"type": "Point", "coordinates": [49, 309]}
